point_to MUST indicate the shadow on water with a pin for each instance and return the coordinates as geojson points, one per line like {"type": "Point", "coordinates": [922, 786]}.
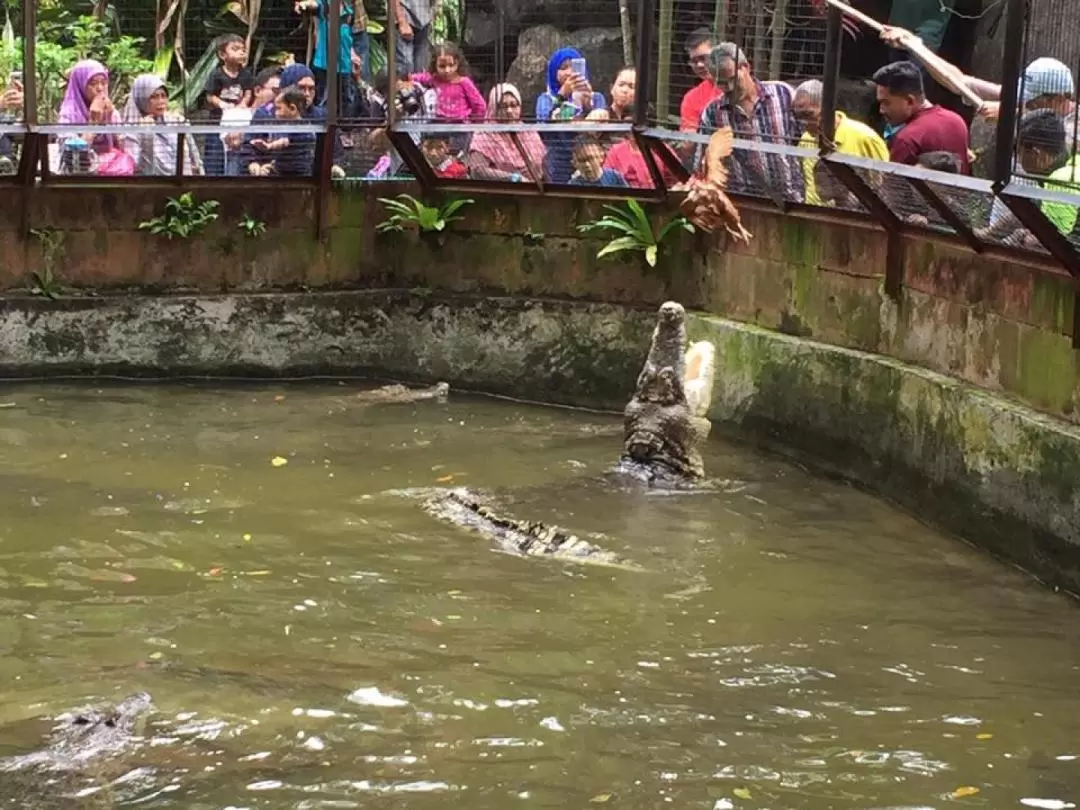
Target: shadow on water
{"type": "Point", "coordinates": [314, 640]}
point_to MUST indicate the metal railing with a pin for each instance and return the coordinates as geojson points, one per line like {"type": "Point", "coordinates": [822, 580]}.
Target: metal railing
{"type": "Point", "coordinates": [901, 199]}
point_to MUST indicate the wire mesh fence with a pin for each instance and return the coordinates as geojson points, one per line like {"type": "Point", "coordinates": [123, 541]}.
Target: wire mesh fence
{"type": "Point", "coordinates": [544, 95]}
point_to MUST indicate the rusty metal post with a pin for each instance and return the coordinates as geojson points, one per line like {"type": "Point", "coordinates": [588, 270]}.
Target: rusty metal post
{"type": "Point", "coordinates": [325, 159]}
{"type": "Point", "coordinates": [1008, 115]}
{"type": "Point", "coordinates": [35, 147]}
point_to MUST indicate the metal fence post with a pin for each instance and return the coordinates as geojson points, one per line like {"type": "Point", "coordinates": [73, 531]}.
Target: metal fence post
{"type": "Point", "coordinates": [867, 196]}
{"type": "Point", "coordinates": [1013, 56]}
{"type": "Point", "coordinates": [325, 162]}
{"type": "Point", "coordinates": [35, 148]}
{"type": "Point", "coordinates": [644, 68]}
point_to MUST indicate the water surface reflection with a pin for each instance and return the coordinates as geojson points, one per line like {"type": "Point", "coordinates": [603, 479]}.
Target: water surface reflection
{"type": "Point", "coordinates": [314, 640]}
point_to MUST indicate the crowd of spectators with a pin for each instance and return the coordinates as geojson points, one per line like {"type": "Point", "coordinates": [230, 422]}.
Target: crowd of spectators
{"type": "Point", "coordinates": [434, 85]}
{"type": "Point", "coordinates": [916, 132]}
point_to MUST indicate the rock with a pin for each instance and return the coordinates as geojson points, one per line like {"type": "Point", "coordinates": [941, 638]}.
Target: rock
{"type": "Point", "coordinates": [602, 47]}
{"type": "Point", "coordinates": [481, 29]}
{"type": "Point", "coordinates": [524, 13]}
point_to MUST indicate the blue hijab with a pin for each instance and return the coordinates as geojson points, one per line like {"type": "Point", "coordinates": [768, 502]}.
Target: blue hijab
{"type": "Point", "coordinates": [556, 59]}
{"type": "Point", "coordinates": [294, 73]}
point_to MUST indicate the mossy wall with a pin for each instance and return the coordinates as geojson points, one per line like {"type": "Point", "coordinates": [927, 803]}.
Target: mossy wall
{"type": "Point", "coordinates": [993, 320]}
{"type": "Point", "coordinates": [996, 472]}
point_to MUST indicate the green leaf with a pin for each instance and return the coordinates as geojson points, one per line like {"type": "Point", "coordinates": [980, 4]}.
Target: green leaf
{"type": "Point", "coordinates": [453, 206]}
{"type": "Point", "coordinates": [620, 244]}
{"type": "Point", "coordinates": [650, 255]}
{"type": "Point", "coordinates": [641, 219]}
{"type": "Point", "coordinates": [190, 91]}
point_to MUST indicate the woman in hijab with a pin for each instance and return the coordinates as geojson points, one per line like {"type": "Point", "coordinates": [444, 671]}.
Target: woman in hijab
{"type": "Point", "coordinates": [569, 97]}
{"type": "Point", "coordinates": [155, 152]}
{"type": "Point", "coordinates": [494, 155]}
{"type": "Point", "coordinates": [86, 101]}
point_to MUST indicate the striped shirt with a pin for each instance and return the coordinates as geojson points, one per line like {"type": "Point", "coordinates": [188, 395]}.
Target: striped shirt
{"type": "Point", "coordinates": [771, 121]}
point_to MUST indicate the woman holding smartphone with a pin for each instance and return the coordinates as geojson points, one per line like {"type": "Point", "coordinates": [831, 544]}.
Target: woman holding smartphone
{"type": "Point", "coordinates": [11, 108]}
{"type": "Point", "coordinates": [569, 97]}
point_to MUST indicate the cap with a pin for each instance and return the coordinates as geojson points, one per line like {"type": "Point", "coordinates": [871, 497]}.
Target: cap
{"type": "Point", "coordinates": [1046, 77]}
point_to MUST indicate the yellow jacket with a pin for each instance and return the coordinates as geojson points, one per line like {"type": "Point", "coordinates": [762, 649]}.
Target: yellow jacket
{"type": "Point", "coordinates": [852, 138]}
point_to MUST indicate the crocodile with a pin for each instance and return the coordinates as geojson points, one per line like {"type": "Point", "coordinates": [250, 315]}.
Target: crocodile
{"type": "Point", "coordinates": [400, 394]}
{"type": "Point", "coordinates": [525, 538]}
{"type": "Point", "coordinates": [84, 744]}
{"type": "Point", "coordinates": [663, 427]}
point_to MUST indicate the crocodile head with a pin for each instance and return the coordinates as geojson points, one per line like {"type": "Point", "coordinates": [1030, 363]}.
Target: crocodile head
{"type": "Point", "coordinates": [89, 733]}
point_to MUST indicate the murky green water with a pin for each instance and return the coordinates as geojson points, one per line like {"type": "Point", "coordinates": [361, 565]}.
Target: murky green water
{"type": "Point", "coordinates": [314, 640]}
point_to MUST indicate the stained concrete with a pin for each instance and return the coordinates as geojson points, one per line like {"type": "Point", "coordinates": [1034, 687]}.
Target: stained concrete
{"type": "Point", "coordinates": [997, 472]}
{"type": "Point", "coordinates": [575, 354]}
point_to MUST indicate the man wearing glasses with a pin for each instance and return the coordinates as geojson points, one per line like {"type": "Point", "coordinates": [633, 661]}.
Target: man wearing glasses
{"type": "Point", "coordinates": [699, 46]}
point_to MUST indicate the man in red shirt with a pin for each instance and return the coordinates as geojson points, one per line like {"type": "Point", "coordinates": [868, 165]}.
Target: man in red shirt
{"type": "Point", "coordinates": [699, 46]}
{"type": "Point", "coordinates": [923, 127]}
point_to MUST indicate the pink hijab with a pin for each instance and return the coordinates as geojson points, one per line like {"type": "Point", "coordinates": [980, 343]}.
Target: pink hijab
{"type": "Point", "coordinates": [499, 148]}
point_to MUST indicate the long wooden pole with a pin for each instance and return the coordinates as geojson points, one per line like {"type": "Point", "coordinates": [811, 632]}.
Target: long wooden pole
{"type": "Point", "coordinates": [947, 73]}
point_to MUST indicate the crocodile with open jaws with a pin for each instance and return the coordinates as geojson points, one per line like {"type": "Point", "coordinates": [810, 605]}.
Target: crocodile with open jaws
{"type": "Point", "coordinates": [83, 744]}
{"type": "Point", "coordinates": [664, 427]}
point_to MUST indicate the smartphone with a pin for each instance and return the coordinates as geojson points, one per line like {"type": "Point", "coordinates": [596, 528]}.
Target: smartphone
{"type": "Point", "coordinates": [579, 67]}
{"type": "Point", "coordinates": [15, 78]}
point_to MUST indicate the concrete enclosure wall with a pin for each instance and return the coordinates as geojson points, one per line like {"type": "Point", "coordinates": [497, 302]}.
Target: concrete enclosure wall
{"type": "Point", "coordinates": [991, 320]}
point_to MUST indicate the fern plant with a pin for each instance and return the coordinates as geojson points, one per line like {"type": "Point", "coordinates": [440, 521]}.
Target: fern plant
{"type": "Point", "coordinates": [633, 231]}
{"type": "Point", "coordinates": [183, 217]}
{"type": "Point", "coordinates": [251, 226]}
{"type": "Point", "coordinates": [52, 246]}
{"type": "Point", "coordinates": [407, 211]}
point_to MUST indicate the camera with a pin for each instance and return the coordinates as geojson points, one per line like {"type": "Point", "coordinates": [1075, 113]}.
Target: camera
{"type": "Point", "coordinates": [410, 101]}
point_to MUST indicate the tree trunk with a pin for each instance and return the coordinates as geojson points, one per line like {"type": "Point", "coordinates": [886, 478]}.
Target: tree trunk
{"type": "Point", "coordinates": [779, 33]}
{"type": "Point", "coordinates": [627, 32]}
{"type": "Point", "coordinates": [760, 27]}
{"type": "Point", "coordinates": [663, 58]}
{"type": "Point", "coordinates": [720, 21]}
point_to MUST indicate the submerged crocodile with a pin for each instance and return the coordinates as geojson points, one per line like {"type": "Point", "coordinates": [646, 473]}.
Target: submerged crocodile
{"type": "Point", "coordinates": [400, 394]}
{"type": "Point", "coordinates": [83, 744]}
{"type": "Point", "coordinates": [525, 538]}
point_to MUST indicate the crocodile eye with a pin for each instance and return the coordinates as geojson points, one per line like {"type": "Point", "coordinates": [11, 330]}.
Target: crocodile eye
{"type": "Point", "coordinates": [81, 720]}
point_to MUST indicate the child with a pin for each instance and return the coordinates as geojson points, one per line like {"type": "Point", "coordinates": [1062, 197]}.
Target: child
{"type": "Point", "coordinates": [457, 99]}
{"type": "Point", "coordinates": [229, 86]}
{"type": "Point", "coordinates": [588, 162]}
{"type": "Point", "coordinates": [436, 149]}
{"type": "Point", "coordinates": [293, 153]}
{"type": "Point", "coordinates": [264, 91]}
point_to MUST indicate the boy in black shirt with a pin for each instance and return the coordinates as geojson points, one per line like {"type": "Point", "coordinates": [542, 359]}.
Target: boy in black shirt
{"type": "Point", "coordinates": [230, 85]}
{"type": "Point", "coordinates": [292, 154]}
